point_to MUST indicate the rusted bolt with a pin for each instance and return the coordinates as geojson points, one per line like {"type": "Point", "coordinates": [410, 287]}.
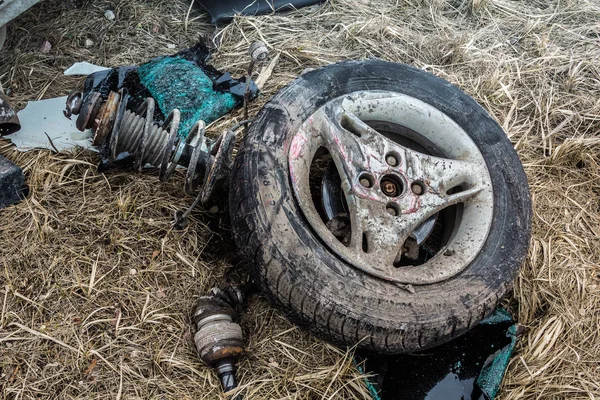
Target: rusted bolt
{"type": "Point", "coordinates": [417, 188]}
{"type": "Point", "coordinates": [391, 160]}
{"type": "Point", "coordinates": [390, 187]}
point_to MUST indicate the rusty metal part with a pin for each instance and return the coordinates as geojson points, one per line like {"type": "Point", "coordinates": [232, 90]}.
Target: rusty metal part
{"type": "Point", "coordinates": [223, 154]}
{"type": "Point", "coordinates": [88, 110]}
{"type": "Point", "coordinates": [194, 141]}
{"type": "Point", "coordinates": [375, 172]}
{"type": "Point", "coordinates": [221, 162]}
{"type": "Point", "coordinates": [390, 186]}
{"type": "Point", "coordinates": [218, 339]}
{"type": "Point", "coordinates": [127, 131]}
{"type": "Point", "coordinates": [9, 121]}
{"type": "Point", "coordinates": [103, 125]}
{"type": "Point", "coordinates": [134, 133]}
{"type": "Point", "coordinates": [167, 165]}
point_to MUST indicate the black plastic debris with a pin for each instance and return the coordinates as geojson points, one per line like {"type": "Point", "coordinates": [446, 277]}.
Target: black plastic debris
{"type": "Point", "coordinates": [12, 183]}
{"type": "Point", "coordinates": [9, 121]}
{"type": "Point", "coordinates": [222, 11]}
{"type": "Point", "coordinates": [470, 367]}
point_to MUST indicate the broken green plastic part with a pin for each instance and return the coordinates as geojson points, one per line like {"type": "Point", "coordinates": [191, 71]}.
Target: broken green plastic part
{"type": "Point", "coordinates": [178, 83]}
{"type": "Point", "coordinates": [491, 374]}
{"type": "Point", "coordinates": [499, 316]}
{"type": "Point", "coordinates": [370, 387]}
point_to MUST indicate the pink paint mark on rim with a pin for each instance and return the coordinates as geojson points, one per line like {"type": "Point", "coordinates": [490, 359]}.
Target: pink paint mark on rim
{"type": "Point", "coordinates": [297, 146]}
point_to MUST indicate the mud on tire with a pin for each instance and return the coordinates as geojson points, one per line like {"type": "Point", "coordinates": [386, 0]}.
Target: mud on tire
{"type": "Point", "coordinates": [313, 285]}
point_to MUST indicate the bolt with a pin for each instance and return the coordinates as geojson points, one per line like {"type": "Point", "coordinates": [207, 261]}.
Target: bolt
{"type": "Point", "coordinates": [365, 182]}
{"type": "Point", "coordinates": [391, 160]}
{"type": "Point", "coordinates": [389, 188]}
{"type": "Point", "coordinates": [417, 188]}
{"type": "Point", "coordinates": [391, 211]}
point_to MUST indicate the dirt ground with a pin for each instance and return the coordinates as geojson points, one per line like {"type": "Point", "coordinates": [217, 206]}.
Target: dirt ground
{"type": "Point", "coordinates": [97, 289]}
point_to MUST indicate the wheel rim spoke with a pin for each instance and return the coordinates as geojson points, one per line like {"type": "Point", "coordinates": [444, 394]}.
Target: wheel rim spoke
{"type": "Point", "coordinates": [351, 154]}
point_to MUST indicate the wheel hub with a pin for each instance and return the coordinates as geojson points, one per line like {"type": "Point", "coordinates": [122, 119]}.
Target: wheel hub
{"type": "Point", "coordinates": [391, 194]}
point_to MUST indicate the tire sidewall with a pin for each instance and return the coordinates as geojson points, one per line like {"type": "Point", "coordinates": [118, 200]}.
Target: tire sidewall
{"type": "Point", "coordinates": [321, 282]}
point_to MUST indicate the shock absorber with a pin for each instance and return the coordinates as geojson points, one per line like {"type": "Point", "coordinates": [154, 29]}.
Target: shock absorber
{"type": "Point", "coordinates": [135, 133]}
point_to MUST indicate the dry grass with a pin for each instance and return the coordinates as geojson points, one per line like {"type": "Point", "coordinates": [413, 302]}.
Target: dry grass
{"type": "Point", "coordinates": [97, 289]}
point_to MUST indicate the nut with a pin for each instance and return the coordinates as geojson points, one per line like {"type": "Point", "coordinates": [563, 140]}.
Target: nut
{"type": "Point", "coordinates": [417, 188]}
{"type": "Point", "coordinates": [258, 51]}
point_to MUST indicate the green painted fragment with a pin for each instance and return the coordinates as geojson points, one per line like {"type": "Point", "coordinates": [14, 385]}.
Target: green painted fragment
{"type": "Point", "coordinates": [370, 387]}
{"type": "Point", "coordinates": [491, 374]}
{"type": "Point", "coordinates": [500, 315]}
{"type": "Point", "coordinates": [178, 83]}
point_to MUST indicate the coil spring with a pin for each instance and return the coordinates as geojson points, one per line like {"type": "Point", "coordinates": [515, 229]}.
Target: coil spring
{"type": "Point", "coordinates": [136, 133]}
{"type": "Point", "coordinates": [131, 133]}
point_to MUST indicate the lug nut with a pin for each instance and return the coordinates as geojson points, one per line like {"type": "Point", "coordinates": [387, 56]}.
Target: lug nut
{"type": "Point", "coordinates": [390, 186]}
{"type": "Point", "coordinates": [391, 160]}
{"type": "Point", "coordinates": [366, 181]}
{"type": "Point", "coordinates": [417, 188]}
{"type": "Point", "coordinates": [392, 209]}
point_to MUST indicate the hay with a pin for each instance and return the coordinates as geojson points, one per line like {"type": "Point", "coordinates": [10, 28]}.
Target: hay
{"type": "Point", "coordinates": [97, 288]}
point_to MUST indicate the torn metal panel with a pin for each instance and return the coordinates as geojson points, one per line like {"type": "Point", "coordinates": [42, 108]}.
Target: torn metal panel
{"type": "Point", "coordinates": [43, 126]}
{"type": "Point", "coordinates": [83, 68]}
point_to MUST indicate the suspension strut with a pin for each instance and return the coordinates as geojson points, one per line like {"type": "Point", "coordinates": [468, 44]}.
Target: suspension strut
{"type": "Point", "coordinates": [135, 133]}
